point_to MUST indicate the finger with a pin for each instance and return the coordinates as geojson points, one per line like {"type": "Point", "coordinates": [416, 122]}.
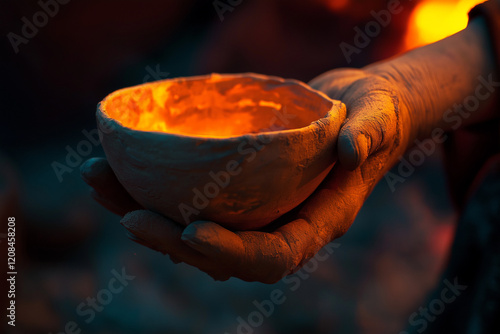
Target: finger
{"type": "Point", "coordinates": [268, 257]}
{"type": "Point", "coordinates": [108, 191]}
{"type": "Point", "coordinates": [250, 256]}
{"type": "Point", "coordinates": [332, 208]}
{"type": "Point", "coordinates": [110, 205]}
{"type": "Point", "coordinates": [158, 233]}
{"type": "Point", "coordinates": [335, 82]}
{"type": "Point", "coordinates": [163, 235]}
{"type": "Point", "coordinates": [330, 211]}
{"type": "Point", "coordinates": [220, 246]}
{"type": "Point", "coordinates": [372, 125]}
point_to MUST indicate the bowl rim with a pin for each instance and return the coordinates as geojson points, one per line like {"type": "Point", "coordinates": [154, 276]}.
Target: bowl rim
{"type": "Point", "coordinates": [320, 122]}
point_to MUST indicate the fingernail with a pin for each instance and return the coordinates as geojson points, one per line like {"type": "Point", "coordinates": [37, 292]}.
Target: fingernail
{"type": "Point", "coordinates": [191, 234]}
{"type": "Point", "coordinates": [361, 149]}
{"type": "Point", "coordinates": [190, 239]}
{"type": "Point", "coordinates": [129, 221]}
{"type": "Point", "coordinates": [85, 171]}
{"type": "Point", "coordinates": [348, 151]}
{"type": "Point", "coordinates": [87, 168]}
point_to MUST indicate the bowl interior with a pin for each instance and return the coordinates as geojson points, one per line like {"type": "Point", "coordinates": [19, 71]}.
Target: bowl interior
{"type": "Point", "coordinates": [217, 106]}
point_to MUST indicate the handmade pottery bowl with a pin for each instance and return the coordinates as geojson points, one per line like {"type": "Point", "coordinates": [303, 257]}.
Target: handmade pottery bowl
{"type": "Point", "coordinates": [240, 150]}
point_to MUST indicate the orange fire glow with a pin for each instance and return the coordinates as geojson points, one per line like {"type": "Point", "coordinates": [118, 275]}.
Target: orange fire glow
{"type": "Point", "coordinates": [337, 5]}
{"type": "Point", "coordinates": [433, 20]}
{"type": "Point", "coordinates": [216, 106]}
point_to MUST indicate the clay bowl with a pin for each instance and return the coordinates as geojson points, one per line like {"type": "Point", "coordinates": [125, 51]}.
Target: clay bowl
{"type": "Point", "coordinates": [240, 150]}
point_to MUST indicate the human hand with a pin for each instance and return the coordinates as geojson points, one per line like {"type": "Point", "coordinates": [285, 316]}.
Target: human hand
{"type": "Point", "coordinates": [370, 141]}
{"type": "Point", "coordinates": [378, 122]}
{"type": "Point", "coordinates": [264, 256]}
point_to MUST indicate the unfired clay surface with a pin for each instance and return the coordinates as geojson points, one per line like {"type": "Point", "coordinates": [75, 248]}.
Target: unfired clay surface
{"type": "Point", "coordinates": [240, 150]}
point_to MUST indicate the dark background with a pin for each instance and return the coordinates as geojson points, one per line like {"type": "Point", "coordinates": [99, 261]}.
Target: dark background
{"type": "Point", "coordinates": [67, 245]}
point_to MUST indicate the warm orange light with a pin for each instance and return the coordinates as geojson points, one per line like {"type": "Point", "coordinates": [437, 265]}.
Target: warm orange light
{"type": "Point", "coordinates": [433, 20]}
{"type": "Point", "coordinates": [216, 106]}
{"type": "Point", "coordinates": [337, 5]}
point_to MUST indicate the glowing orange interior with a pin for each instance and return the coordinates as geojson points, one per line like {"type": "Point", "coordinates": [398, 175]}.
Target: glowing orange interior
{"type": "Point", "coordinates": [216, 106]}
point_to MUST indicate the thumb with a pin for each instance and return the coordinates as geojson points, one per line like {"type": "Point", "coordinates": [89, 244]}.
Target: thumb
{"type": "Point", "coordinates": [372, 125]}
{"type": "Point", "coordinates": [248, 255]}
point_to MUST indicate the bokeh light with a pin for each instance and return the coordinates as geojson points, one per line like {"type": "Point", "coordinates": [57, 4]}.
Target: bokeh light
{"type": "Point", "coordinates": [433, 20]}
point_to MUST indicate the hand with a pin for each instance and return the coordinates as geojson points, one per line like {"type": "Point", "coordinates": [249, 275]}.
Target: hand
{"type": "Point", "coordinates": [378, 121]}
{"type": "Point", "coordinates": [370, 141]}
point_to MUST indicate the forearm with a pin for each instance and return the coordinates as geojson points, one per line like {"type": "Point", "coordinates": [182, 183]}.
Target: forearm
{"type": "Point", "coordinates": [436, 80]}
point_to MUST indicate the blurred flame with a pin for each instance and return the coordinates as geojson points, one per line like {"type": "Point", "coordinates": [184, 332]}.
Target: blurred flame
{"type": "Point", "coordinates": [336, 5]}
{"type": "Point", "coordinates": [433, 20]}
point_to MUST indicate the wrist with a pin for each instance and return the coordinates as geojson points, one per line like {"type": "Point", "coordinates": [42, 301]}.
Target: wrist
{"type": "Point", "coordinates": [433, 81]}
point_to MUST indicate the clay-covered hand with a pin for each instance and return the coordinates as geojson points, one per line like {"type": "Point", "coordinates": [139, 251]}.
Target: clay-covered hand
{"type": "Point", "coordinates": [370, 141]}
{"type": "Point", "coordinates": [378, 122]}
{"type": "Point", "coordinates": [265, 256]}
